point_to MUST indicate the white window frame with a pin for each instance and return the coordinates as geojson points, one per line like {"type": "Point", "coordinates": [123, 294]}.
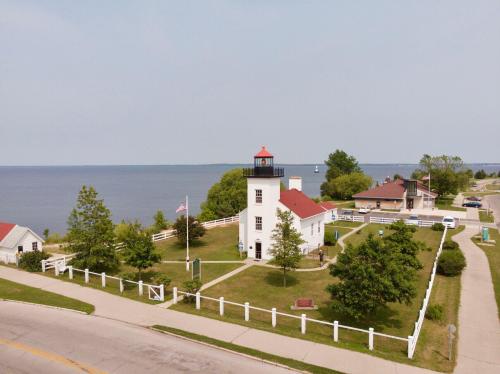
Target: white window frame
{"type": "Point", "coordinates": [258, 196]}
{"type": "Point", "coordinates": [258, 223]}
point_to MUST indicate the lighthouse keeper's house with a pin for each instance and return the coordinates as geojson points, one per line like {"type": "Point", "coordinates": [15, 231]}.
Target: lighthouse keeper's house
{"type": "Point", "coordinates": [259, 219]}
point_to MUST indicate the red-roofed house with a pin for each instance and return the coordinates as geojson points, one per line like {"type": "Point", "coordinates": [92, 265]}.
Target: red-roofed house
{"type": "Point", "coordinates": [259, 219]}
{"type": "Point", "coordinates": [396, 195]}
{"type": "Point", "coordinates": [15, 240]}
{"type": "Point", "coordinates": [330, 211]}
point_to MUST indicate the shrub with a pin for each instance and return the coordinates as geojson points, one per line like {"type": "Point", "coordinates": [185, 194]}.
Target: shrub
{"type": "Point", "coordinates": [330, 238]}
{"type": "Point", "coordinates": [32, 261]}
{"type": "Point", "coordinates": [451, 263]}
{"type": "Point", "coordinates": [438, 226]}
{"type": "Point", "coordinates": [128, 277]}
{"type": "Point", "coordinates": [434, 312]}
{"type": "Point", "coordinates": [450, 245]}
{"type": "Point", "coordinates": [192, 287]}
{"type": "Point", "coordinates": [160, 279]}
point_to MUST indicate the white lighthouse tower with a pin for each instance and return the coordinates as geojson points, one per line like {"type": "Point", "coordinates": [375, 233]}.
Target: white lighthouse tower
{"type": "Point", "coordinates": [263, 194]}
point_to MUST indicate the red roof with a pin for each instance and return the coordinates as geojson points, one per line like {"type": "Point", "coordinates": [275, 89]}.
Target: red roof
{"type": "Point", "coordinates": [263, 153]}
{"type": "Point", "coordinates": [5, 228]}
{"type": "Point", "coordinates": [300, 204]}
{"type": "Point", "coordinates": [326, 205]}
{"type": "Point", "coordinates": [391, 190]}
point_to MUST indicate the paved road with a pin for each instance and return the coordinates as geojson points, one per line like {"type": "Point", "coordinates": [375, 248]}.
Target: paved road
{"type": "Point", "coordinates": [36, 339]}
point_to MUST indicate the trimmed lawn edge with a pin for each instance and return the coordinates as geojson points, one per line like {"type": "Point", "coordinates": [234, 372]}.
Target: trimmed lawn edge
{"type": "Point", "coordinates": [287, 363]}
{"type": "Point", "coordinates": [49, 306]}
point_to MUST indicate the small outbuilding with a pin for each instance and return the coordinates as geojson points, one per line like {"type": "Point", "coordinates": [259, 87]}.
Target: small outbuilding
{"type": "Point", "coordinates": [16, 240]}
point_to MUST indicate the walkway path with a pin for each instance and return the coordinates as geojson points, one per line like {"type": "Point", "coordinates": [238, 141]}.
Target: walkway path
{"type": "Point", "coordinates": [479, 328]}
{"type": "Point", "coordinates": [122, 309]}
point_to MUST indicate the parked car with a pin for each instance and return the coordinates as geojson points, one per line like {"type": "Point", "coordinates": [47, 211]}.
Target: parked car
{"type": "Point", "coordinates": [472, 204]}
{"type": "Point", "coordinates": [449, 222]}
{"type": "Point", "coordinates": [363, 211]}
{"type": "Point", "coordinates": [347, 212]}
{"type": "Point", "coordinates": [412, 220]}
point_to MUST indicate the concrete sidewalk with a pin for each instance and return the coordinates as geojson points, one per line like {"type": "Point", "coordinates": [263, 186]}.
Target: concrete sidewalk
{"type": "Point", "coordinates": [126, 310]}
{"type": "Point", "coordinates": [479, 328]}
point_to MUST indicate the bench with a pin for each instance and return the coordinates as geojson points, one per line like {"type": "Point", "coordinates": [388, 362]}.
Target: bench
{"type": "Point", "coordinates": [304, 304]}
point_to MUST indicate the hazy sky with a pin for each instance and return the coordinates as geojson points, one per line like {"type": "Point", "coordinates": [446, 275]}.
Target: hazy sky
{"type": "Point", "coordinates": [165, 82]}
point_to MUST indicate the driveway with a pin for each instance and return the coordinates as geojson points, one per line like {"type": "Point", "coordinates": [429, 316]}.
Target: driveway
{"type": "Point", "coordinates": [493, 202]}
{"type": "Point", "coordinates": [35, 339]}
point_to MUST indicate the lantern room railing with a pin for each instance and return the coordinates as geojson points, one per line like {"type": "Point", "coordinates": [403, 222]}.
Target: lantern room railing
{"type": "Point", "coordinates": [262, 172]}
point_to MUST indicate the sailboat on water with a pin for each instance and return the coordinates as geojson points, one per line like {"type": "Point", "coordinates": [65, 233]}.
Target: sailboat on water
{"type": "Point", "coordinates": [316, 169]}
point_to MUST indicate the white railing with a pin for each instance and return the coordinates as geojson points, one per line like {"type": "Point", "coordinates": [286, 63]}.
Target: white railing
{"type": "Point", "coordinates": [383, 220]}
{"type": "Point", "coordinates": [209, 224]}
{"type": "Point", "coordinates": [421, 314]}
{"type": "Point", "coordinates": [58, 269]}
{"type": "Point", "coordinates": [350, 218]}
{"type": "Point", "coordinates": [335, 325]}
{"type": "Point", "coordinates": [56, 262]}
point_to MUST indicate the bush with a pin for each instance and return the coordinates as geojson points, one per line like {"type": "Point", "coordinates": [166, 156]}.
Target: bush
{"type": "Point", "coordinates": [330, 238]}
{"type": "Point", "coordinates": [450, 245]}
{"type": "Point", "coordinates": [434, 312]}
{"type": "Point", "coordinates": [451, 263]}
{"type": "Point", "coordinates": [438, 226]}
{"type": "Point", "coordinates": [192, 287]}
{"type": "Point", "coordinates": [160, 279]}
{"type": "Point", "coordinates": [32, 261]}
{"type": "Point", "coordinates": [128, 277]}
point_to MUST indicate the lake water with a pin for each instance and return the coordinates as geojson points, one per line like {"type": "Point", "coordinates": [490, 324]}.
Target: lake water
{"type": "Point", "coordinates": [42, 197]}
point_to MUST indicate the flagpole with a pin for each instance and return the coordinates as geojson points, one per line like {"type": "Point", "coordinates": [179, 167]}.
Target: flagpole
{"type": "Point", "coordinates": [187, 234]}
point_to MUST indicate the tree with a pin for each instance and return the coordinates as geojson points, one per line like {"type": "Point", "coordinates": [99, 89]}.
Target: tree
{"type": "Point", "coordinates": [286, 243]}
{"type": "Point", "coordinates": [139, 250]}
{"type": "Point", "coordinates": [448, 173]}
{"type": "Point", "coordinates": [160, 223]}
{"type": "Point", "coordinates": [397, 176]}
{"type": "Point", "coordinates": [340, 163]}
{"type": "Point", "coordinates": [480, 174]}
{"type": "Point", "coordinates": [401, 242]}
{"type": "Point", "coordinates": [46, 233]}
{"type": "Point", "coordinates": [371, 275]}
{"type": "Point", "coordinates": [196, 230]}
{"type": "Point", "coordinates": [344, 186]}
{"type": "Point", "coordinates": [90, 233]}
{"type": "Point", "coordinates": [225, 198]}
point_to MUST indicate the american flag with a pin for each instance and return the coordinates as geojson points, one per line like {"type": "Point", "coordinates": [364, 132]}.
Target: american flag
{"type": "Point", "coordinates": [181, 208]}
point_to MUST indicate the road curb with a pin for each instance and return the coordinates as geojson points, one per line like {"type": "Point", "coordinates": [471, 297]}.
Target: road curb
{"type": "Point", "coordinates": [46, 306]}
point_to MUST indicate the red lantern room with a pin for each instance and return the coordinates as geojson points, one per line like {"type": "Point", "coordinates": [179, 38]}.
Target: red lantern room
{"type": "Point", "coordinates": [263, 166]}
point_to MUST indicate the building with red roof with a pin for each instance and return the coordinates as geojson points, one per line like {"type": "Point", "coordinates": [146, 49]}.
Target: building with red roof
{"type": "Point", "coordinates": [16, 240]}
{"type": "Point", "coordinates": [265, 197]}
{"type": "Point", "coordinates": [396, 195]}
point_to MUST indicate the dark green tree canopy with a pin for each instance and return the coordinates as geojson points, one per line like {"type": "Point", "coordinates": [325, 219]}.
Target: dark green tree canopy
{"type": "Point", "coordinates": [196, 230]}
{"type": "Point", "coordinates": [340, 163]}
{"type": "Point", "coordinates": [343, 187]}
{"type": "Point", "coordinates": [225, 198]}
{"type": "Point", "coordinates": [90, 233]}
{"type": "Point", "coordinates": [160, 223]}
{"type": "Point", "coordinates": [139, 250]}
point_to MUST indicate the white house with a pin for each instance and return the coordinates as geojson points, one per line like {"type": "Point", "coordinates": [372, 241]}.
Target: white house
{"type": "Point", "coordinates": [259, 219]}
{"type": "Point", "coordinates": [15, 240]}
{"type": "Point", "coordinates": [330, 211]}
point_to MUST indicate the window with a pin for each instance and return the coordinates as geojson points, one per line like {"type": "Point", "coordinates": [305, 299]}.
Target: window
{"type": "Point", "coordinates": [258, 196]}
{"type": "Point", "coordinates": [312, 228]}
{"type": "Point", "coordinates": [19, 249]}
{"type": "Point", "coordinates": [258, 223]}
{"type": "Point", "coordinates": [319, 226]}
{"type": "Point", "coordinates": [34, 246]}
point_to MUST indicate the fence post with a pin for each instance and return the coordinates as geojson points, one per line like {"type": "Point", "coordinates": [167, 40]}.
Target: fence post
{"type": "Point", "coordinates": [103, 279]}
{"type": "Point", "coordinates": [86, 275]}
{"type": "Point", "coordinates": [335, 331]}
{"type": "Point", "coordinates": [247, 311]}
{"type": "Point", "coordinates": [162, 292]}
{"type": "Point", "coordinates": [43, 265]}
{"type": "Point", "coordinates": [141, 291]}
{"type": "Point", "coordinates": [174, 299]}
{"type": "Point", "coordinates": [121, 285]}
{"type": "Point", "coordinates": [198, 300]}
{"type": "Point", "coordinates": [410, 344]}
{"type": "Point", "coordinates": [273, 317]}
{"type": "Point", "coordinates": [221, 305]}
{"type": "Point", "coordinates": [303, 323]}
{"type": "Point", "coordinates": [70, 272]}
{"type": "Point", "coordinates": [370, 338]}
{"type": "Point", "coordinates": [56, 268]}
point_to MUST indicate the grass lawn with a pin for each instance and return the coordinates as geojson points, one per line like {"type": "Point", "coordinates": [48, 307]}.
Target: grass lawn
{"type": "Point", "coordinates": [444, 203]}
{"type": "Point", "coordinates": [15, 291]}
{"type": "Point", "coordinates": [299, 365]}
{"type": "Point", "coordinates": [485, 217]}
{"type": "Point", "coordinates": [493, 187]}
{"type": "Point", "coordinates": [218, 244]}
{"type": "Point", "coordinates": [493, 254]}
{"type": "Point", "coordinates": [475, 193]}
{"type": "Point", "coordinates": [344, 224]}
{"type": "Point", "coordinates": [262, 287]}
{"type": "Point", "coordinates": [344, 204]}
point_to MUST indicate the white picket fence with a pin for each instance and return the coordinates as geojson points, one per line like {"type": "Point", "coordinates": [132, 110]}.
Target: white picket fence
{"type": "Point", "coordinates": [335, 325]}
{"type": "Point", "coordinates": [388, 220]}
{"type": "Point", "coordinates": [158, 292]}
{"type": "Point", "coordinates": [383, 220]}
{"type": "Point", "coordinates": [421, 314]}
{"type": "Point", "coordinates": [350, 218]}
{"type": "Point", "coordinates": [209, 224]}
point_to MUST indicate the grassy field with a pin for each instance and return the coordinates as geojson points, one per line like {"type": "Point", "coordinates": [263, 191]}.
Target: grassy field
{"type": "Point", "coordinates": [344, 224]}
{"type": "Point", "coordinates": [15, 291]}
{"type": "Point", "coordinates": [493, 187]}
{"type": "Point", "coordinates": [493, 254]}
{"type": "Point", "coordinates": [218, 244]}
{"type": "Point", "coordinates": [480, 194]}
{"type": "Point", "coordinates": [266, 291]}
{"type": "Point", "coordinates": [299, 365]}
{"type": "Point", "coordinates": [444, 203]}
{"type": "Point", "coordinates": [485, 217]}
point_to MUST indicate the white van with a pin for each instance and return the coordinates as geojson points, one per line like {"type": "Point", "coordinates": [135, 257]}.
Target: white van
{"type": "Point", "coordinates": [449, 222]}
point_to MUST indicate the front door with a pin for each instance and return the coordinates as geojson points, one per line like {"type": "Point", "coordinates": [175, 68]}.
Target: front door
{"type": "Point", "coordinates": [409, 203]}
{"type": "Point", "coordinates": [20, 249]}
{"type": "Point", "coordinates": [258, 250]}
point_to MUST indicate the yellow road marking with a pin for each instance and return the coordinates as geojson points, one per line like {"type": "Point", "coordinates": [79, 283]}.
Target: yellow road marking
{"type": "Point", "coordinates": [51, 357]}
